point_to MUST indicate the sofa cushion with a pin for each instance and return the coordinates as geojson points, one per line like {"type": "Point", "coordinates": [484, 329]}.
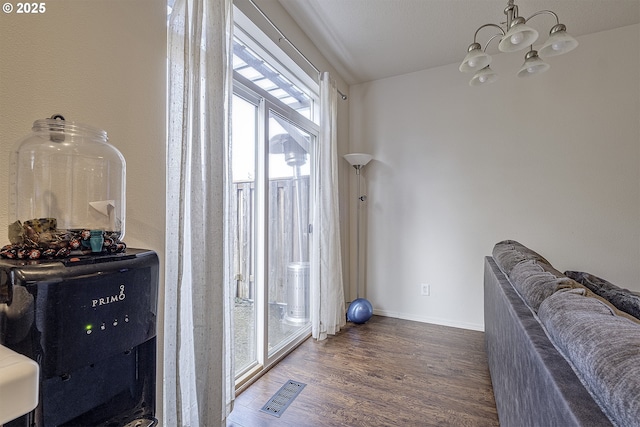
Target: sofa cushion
{"type": "Point", "coordinates": [510, 253]}
{"type": "Point", "coordinates": [622, 299]}
{"type": "Point", "coordinates": [603, 348]}
{"type": "Point", "coordinates": [535, 281]}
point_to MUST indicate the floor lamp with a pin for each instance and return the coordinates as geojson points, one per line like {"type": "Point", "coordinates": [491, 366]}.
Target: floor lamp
{"type": "Point", "coordinates": [360, 310]}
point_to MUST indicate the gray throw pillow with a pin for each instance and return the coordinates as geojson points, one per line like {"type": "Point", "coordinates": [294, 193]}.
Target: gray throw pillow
{"type": "Point", "coordinates": [603, 347]}
{"type": "Point", "coordinates": [622, 299]}
{"type": "Point", "coordinates": [535, 281]}
{"type": "Point", "coordinates": [509, 253]}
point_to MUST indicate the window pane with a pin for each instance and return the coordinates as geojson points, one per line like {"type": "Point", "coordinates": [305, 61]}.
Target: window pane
{"type": "Point", "coordinates": [243, 153]}
{"type": "Point", "coordinates": [288, 239]}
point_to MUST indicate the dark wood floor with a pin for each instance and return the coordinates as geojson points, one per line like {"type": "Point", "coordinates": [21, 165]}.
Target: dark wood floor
{"type": "Point", "coordinates": [386, 372]}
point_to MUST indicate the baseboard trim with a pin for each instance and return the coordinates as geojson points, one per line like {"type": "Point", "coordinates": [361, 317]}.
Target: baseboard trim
{"type": "Point", "coordinates": [428, 319]}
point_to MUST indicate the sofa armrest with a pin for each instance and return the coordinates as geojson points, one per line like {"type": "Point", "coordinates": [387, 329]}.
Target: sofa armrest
{"type": "Point", "coordinates": [532, 383]}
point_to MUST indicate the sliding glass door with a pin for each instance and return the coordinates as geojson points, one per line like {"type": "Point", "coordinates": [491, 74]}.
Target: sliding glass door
{"type": "Point", "coordinates": [273, 141]}
{"type": "Point", "coordinates": [271, 149]}
{"type": "Point", "coordinates": [287, 248]}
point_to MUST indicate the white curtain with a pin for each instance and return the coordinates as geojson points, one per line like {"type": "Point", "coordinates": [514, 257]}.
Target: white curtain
{"type": "Point", "coordinates": [327, 293]}
{"type": "Point", "coordinates": [198, 379]}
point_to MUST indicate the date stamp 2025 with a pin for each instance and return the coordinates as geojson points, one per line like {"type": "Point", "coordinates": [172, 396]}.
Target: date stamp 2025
{"type": "Point", "coordinates": [25, 8]}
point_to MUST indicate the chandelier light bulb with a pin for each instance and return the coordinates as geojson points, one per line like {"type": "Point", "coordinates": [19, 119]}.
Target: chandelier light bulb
{"type": "Point", "coordinates": [517, 38]}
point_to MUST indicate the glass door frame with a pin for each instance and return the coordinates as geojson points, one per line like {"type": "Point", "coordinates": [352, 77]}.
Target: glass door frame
{"type": "Point", "coordinates": [267, 104]}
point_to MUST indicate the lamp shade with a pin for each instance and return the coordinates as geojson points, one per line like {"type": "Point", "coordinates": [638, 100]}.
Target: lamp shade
{"type": "Point", "coordinates": [358, 159]}
{"type": "Point", "coordinates": [532, 65]}
{"type": "Point", "coordinates": [519, 36]}
{"type": "Point", "coordinates": [559, 42]}
{"type": "Point", "coordinates": [484, 76]}
{"type": "Point", "coordinates": [475, 60]}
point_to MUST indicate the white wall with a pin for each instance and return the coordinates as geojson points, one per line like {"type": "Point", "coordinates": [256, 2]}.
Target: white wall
{"type": "Point", "coordinates": [552, 161]}
{"type": "Point", "coordinates": [101, 63]}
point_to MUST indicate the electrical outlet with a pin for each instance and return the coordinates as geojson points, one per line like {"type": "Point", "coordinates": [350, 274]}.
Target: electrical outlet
{"type": "Point", "coordinates": [425, 289]}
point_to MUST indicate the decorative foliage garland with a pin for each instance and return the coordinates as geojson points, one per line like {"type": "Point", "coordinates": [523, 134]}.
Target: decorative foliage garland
{"type": "Point", "coordinates": [39, 238]}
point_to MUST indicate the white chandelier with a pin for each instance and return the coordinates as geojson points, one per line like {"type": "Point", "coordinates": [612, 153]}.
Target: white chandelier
{"type": "Point", "coordinates": [515, 36]}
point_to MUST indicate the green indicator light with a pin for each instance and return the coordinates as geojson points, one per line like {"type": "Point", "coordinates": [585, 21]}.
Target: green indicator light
{"type": "Point", "coordinates": [88, 327]}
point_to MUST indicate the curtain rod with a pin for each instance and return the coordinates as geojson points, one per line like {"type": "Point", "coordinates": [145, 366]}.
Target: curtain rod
{"type": "Point", "coordinates": [283, 37]}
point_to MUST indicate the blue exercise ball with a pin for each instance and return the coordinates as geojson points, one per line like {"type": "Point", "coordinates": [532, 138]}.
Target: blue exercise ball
{"type": "Point", "coordinates": [360, 310]}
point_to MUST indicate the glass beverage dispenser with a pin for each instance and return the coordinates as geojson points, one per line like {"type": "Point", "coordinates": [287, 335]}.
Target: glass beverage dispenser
{"type": "Point", "coordinates": [67, 192]}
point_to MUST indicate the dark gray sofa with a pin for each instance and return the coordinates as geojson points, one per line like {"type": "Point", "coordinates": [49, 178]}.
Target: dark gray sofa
{"type": "Point", "coordinates": [559, 381]}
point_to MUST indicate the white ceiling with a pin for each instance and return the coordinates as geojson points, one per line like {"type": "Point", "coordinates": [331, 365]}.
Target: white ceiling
{"type": "Point", "coordinates": [372, 39]}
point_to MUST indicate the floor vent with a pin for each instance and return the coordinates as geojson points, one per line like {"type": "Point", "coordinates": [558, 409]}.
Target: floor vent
{"type": "Point", "coordinates": [283, 398]}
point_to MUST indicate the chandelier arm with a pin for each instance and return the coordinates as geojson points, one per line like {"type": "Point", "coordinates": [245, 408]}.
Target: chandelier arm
{"type": "Point", "coordinates": [475, 36]}
{"type": "Point", "coordinates": [548, 12]}
{"type": "Point", "coordinates": [493, 37]}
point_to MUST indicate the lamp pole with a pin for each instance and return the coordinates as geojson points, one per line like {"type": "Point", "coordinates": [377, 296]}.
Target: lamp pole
{"type": "Point", "coordinates": [360, 310]}
{"type": "Point", "coordinates": [361, 198]}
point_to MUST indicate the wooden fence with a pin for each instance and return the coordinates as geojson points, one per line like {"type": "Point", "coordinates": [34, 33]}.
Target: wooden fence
{"type": "Point", "coordinates": [288, 234]}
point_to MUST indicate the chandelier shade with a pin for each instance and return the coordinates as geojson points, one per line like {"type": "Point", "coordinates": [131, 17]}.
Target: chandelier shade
{"type": "Point", "coordinates": [475, 60]}
{"type": "Point", "coordinates": [532, 65]}
{"type": "Point", "coordinates": [484, 76]}
{"type": "Point", "coordinates": [520, 36]}
{"type": "Point", "coordinates": [517, 34]}
{"type": "Point", "coordinates": [559, 42]}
